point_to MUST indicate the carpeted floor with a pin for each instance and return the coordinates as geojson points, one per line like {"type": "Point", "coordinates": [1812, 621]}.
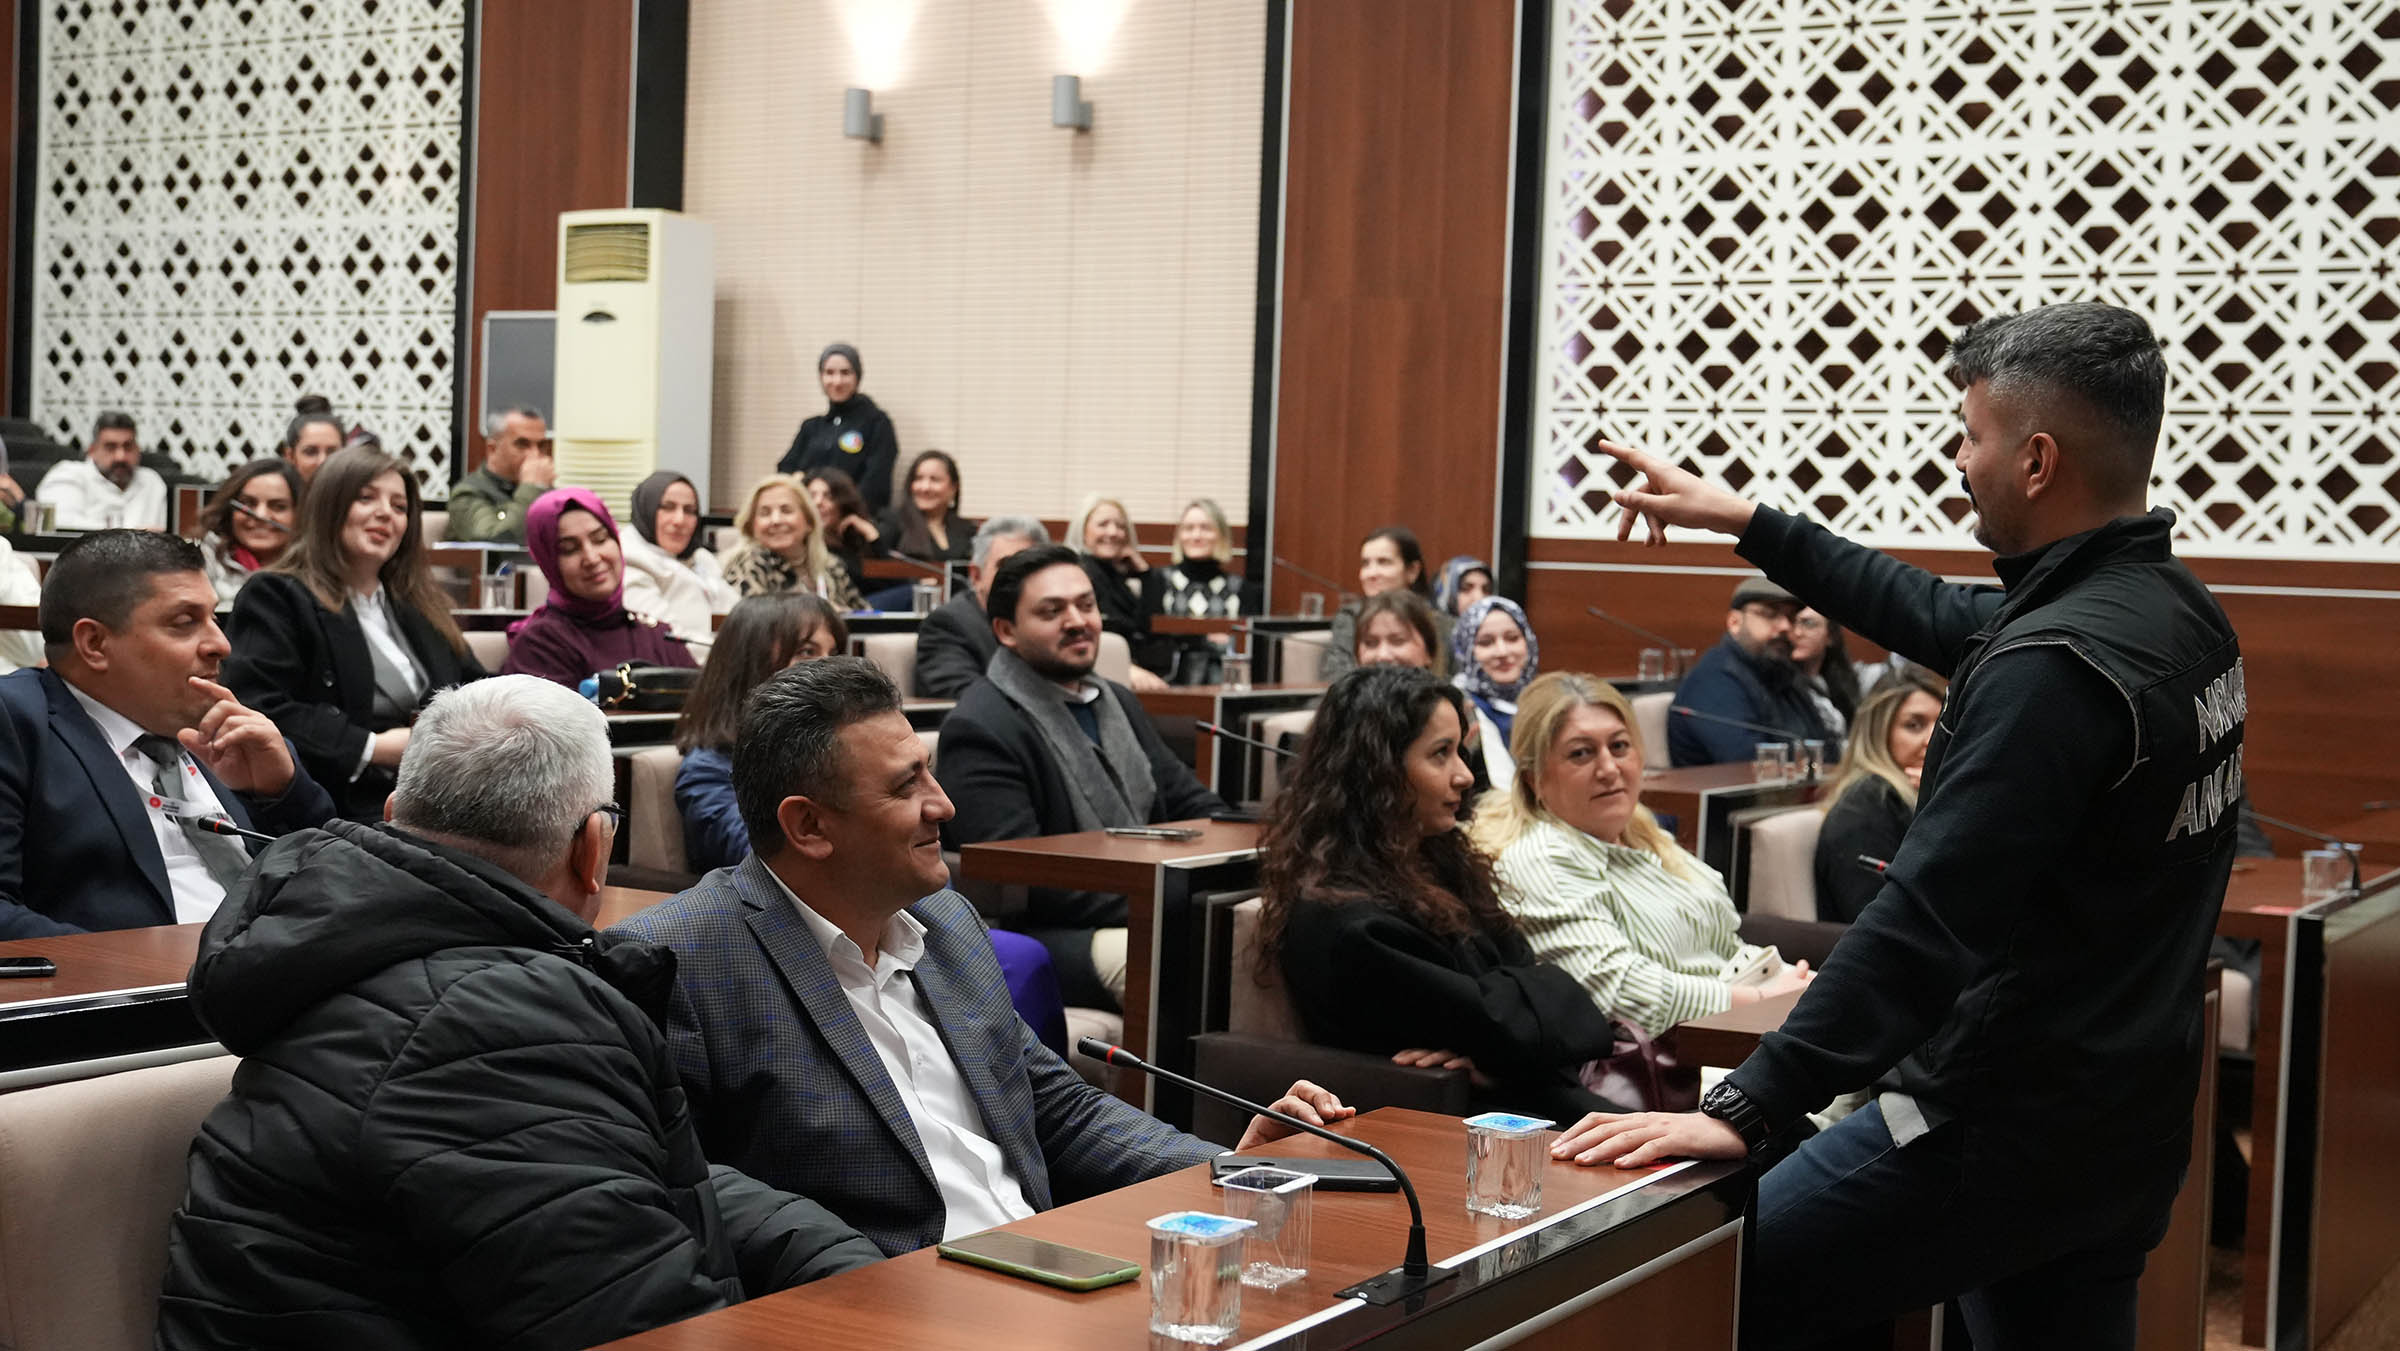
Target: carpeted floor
{"type": "Point", "coordinates": [2375, 1326]}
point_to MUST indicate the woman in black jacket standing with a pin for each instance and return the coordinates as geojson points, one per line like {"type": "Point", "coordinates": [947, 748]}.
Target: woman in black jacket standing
{"type": "Point", "coordinates": [1387, 922]}
{"type": "Point", "coordinates": [346, 637]}
{"type": "Point", "coordinates": [852, 434]}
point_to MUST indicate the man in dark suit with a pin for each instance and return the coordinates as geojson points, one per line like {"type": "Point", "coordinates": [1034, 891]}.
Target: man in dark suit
{"type": "Point", "coordinates": [955, 642]}
{"type": "Point", "coordinates": [111, 756]}
{"type": "Point", "coordinates": [1045, 747]}
{"type": "Point", "coordinates": [839, 1020]}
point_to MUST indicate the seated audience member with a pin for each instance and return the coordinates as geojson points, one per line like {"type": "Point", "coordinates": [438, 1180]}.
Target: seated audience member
{"type": "Point", "coordinates": [838, 1017]}
{"type": "Point", "coordinates": [109, 486]}
{"type": "Point", "coordinates": [1870, 806]}
{"type": "Point", "coordinates": [457, 1121]}
{"type": "Point", "coordinates": [346, 637]}
{"type": "Point", "coordinates": [490, 501]}
{"type": "Point", "coordinates": [852, 434]}
{"type": "Point", "coordinates": [955, 642]}
{"type": "Point", "coordinates": [1496, 655]}
{"type": "Point", "coordinates": [924, 524]}
{"type": "Point", "coordinates": [1465, 579]}
{"type": "Point", "coordinates": [1600, 890]}
{"type": "Point", "coordinates": [1397, 628]}
{"type": "Point", "coordinates": [1198, 584]}
{"type": "Point", "coordinates": [130, 712]}
{"type": "Point", "coordinates": [1383, 916]}
{"type": "Point", "coordinates": [1388, 560]}
{"type": "Point", "coordinates": [1749, 677]}
{"type": "Point", "coordinates": [1103, 533]}
{"type": "Point", "coordinates": [850, 535]}
{"type": "Point", "coordinates": [583, 626]}
{"type": "Point", "coordinates": [309, 440]}
{"type": "Point", "coordinates": [248, 523]}
{"type": "Point", "coordinates": [20, 584]}
{"type": "Point", "coordinates": [782, 549]}
{"type": "Point", "coordinates": [763, 635]}
{"type": "Point", "coordinates": [670, 576]}
{"type": "Point", "coordinates": [1827, 678]}
{"type": "Point", "coordinates": [1044, 747]}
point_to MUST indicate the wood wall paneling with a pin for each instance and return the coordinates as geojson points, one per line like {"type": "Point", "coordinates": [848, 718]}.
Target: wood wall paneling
{"type": "Point", "coordinates": [553, 95]}
{"type": "Point", "coordinates": [1395, 262]}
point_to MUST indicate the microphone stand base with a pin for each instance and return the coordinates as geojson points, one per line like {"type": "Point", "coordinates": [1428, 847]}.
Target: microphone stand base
{"type": "Point", "coordinates": [1395, 1285]}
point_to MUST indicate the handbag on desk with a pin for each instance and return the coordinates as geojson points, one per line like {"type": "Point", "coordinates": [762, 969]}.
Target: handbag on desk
{"type": "Point", "coordinates": [1643, 1074]}
{"type": "Point", "coordinates": [644, 689]}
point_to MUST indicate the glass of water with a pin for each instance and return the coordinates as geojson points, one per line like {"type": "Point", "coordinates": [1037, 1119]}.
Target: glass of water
{"type": "Point", "coordinates": [1235, 672]}
{"type": "Point", "coordinates": [924, 597]}
{"type": "Point", "coordinates": [1278, 1201]}
{"type": "Point", "coordinates": [2324, 874]}
{"type": "Point", "coordinates": [1312, 605]}
{"type": "Point", "coordinates": [1505, 1160]}
{"type": "Point", "coordinates": [1772, 762]}
{"type": "Point", "coordinates": [1196, 1276]}
{"type": "Point", "coordinates": [1653, 665]}
{"type": "Point", "coordinates": [1812, 758]}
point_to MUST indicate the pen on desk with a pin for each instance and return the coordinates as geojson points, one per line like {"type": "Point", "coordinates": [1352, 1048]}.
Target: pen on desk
{"type": "Point", "coordinates": [1873, 864]}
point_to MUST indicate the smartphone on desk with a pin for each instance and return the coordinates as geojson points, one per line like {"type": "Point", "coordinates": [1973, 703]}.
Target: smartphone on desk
{"type": "Point", "coordinates": [1037, 1260]}
{"type": "Point", "coordinates": [27, 968]}
{"type": "Point", "coordinates": [1153, 832]}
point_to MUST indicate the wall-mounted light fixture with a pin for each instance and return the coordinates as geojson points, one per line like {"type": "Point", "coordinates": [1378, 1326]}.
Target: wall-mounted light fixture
{"type": "Point", "coordinates": [860, 121]}
{"type": "Point", "coordinates": [1067, 105]}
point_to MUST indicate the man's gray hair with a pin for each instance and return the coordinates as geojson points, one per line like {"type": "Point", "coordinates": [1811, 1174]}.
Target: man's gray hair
{"type": "Point", "coordinates": [496, 421]}
{"type": "Point", "coordinates": [1007, 527]}
{"type": "Point", "coordinates": [507, 768]}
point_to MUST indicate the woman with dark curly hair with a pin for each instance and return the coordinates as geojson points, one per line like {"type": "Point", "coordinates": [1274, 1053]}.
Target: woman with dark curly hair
{"type": "Point", "coordinates": [1385, 920]}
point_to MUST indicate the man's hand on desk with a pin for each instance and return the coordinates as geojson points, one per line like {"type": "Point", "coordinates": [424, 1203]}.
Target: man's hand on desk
{"type": "Point", "coordinates": [1638, 1139]}
{"type": "Point", "coordinates": [1304, 1100]}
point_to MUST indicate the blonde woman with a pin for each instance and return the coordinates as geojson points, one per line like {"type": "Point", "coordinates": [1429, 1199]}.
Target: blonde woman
{"type": "Point", "coordinates": [1102, 535]}
{"type": "Point", "coordinates": [1875, 798]}
{"type": "Point", "coordinates": [1599, 887]}
{"type": "Point", "coordinates": [782, 549]}
{"type": "Point", "coordinates": [1198, 584]}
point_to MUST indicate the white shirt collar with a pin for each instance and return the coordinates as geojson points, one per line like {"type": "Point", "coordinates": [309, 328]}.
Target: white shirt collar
{"type": "Point", "coordinates": [119, 730]}
{"type": "Point", "coordinates": [900, 948]}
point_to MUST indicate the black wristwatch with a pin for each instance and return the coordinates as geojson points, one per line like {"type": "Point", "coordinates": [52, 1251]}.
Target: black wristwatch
{"type": "Point", "coordinates": [1733, 1107]}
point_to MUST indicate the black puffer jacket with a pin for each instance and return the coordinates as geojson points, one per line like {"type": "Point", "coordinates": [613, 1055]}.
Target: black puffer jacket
{"type": "Point", "coordinates": [456, 1123]}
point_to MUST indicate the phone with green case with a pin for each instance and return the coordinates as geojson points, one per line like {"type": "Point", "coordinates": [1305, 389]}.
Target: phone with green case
{"type": "Point", "coordinates": [1037, 1260]}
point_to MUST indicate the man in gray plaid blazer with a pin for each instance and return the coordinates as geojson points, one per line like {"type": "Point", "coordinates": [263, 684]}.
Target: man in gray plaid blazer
{"type": "Point", "coordinates": [840, 1022]}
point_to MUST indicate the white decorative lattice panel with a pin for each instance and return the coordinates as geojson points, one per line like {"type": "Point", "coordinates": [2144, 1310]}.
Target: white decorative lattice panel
{"type": "Point", "coordinates": [1766, 218]}
{"type": "Point", "coordinates": [241, 201]}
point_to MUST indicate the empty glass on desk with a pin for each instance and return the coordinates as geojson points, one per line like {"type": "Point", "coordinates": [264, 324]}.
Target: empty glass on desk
{"type": "Point", "coordinates": [1195, 1276]}
{"type": "Point", "coordinates": [500, 588]}
{"type": "Point", "coordinates": [1652, 665]}
{"type": "Point", "coordinates": [1812, 760]}
{"type": "Point", "coordinates": [1505, 1160]}
{"type": "Point", "coordinates": [1772, 762]}
{"type": "Point", "coordinates": [1235, 672]}
{"type": "Point", "coordinates": [924, 597]}
{"type": "Point", "coordinates": [2324, 874]}
{"type": "Point", "coordinates": [1279, 1202]}
{"type": "Point", "coordinates": [1312, 605]}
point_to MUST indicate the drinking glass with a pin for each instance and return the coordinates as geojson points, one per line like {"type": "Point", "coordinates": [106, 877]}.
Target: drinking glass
{"type": "Point", "coordinates": [1235, 673]}
{"type": "Point", "coordinates": [1505, 1160]}
{"type": "Point", "coordinates": [1312, 605]}
{"type": "Point", "coordinates": [1772, 762]}
{"type": "Point", "coordinates": [1278, 1201]}
{"type": "Point", "coordinates": [1196, 1276]}
{"type": "Point", "coordinates": [1653, 664]}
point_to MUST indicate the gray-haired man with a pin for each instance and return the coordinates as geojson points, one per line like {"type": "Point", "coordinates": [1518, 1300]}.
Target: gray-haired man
{"type": "Point", "coordinates": [489, 502]}
{"type": "Point", "coordinates": [955, 642]}
{"type": "Point", "coordinates": [457, 1120]}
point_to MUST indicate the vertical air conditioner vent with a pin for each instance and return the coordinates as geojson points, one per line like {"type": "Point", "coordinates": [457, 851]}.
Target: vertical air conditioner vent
{"type": "Point", "coordinates": [608, 252]}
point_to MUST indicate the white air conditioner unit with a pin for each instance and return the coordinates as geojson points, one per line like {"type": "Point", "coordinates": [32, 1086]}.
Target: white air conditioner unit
{"type": "Point", "coordinates": [636, 333]}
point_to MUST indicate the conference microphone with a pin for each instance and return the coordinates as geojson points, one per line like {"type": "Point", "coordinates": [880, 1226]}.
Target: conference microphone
{"type": "Point", "coordinates": [213, 824]}
{"type": "Point", "coordinates": [1213, 730]}
{"type": "Point", "coordinates": [1796, 743]}
{"type": "Point", "coordinates": [1319, 578]}
{"type": "Point", "coordinates": [2349, 850]}
{"type": "Point", "coordinates": [259, 516]}
{"type": "Point", "coordinates": [1661, 639]}
{"type": "Point", "coordinates": [1413, 1276]}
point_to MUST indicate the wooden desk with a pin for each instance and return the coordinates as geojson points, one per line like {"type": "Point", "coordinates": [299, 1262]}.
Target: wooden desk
{"type": "Point", "coordinates": [1225, 766]}
{"type": "Point", "coordinates": [1655, 1267]}
{"type": "Point", "coordinates": [1158, 879]}
{"type": "Point", "coordinates": [2378, 831]}
{"type": "Point", "coordinates": [1703, 798]}
{"type": "Point", "coordinates": [121, 991]}
{"type": "Point", "coordinates": [1189, 625]}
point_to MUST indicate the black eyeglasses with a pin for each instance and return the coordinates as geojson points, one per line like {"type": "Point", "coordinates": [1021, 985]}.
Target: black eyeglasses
{"type": "Point", "coordinates": [615, 814]}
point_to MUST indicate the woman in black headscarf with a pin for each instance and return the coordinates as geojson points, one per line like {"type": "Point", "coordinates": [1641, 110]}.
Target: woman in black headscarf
{"type": "Point", "coordinates": [670, 577]}
{"type": "Point", "coordinates": [851, 435]}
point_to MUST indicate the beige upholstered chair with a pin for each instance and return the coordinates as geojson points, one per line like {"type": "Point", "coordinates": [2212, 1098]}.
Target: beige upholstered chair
{"type": "Point", "coordinates": [1783, 864]}
{"type": "Point", "coordinates": [895, 654]}
{"type": "Point", "coordinates": [1650, 724]}
{"type": "Point", "coordinates": [653, 824]}
{"type": "Point", "coordinates": [435, 525]}
{"type": "Point", "coordinates": [1272, 729]}
{"type": "Point", "coordinates": [90, 1173]}
{"type": "Point", "coordinates": [1116, 659]}
{"type": "Point", "coordinates": [490, 647]}
{"type": "Point", "coordinates": [1303, 656]}
{"type": "Point", "coordinates": [933, 746]}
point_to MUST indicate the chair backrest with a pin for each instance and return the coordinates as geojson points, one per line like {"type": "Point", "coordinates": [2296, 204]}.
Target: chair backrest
{"type": "Point", "coordinates": [490, 647]}
{"type": "Point", "coordinates": [1650, 723]}
{"type": "Point", "coordinates": [653, 823]}
{"type": "Point", "coordinates": [1272, 729]}
{"type": "Point", "coordinates": [1783, 864]}
{"type": "Point", "coordinates": [1256, 1006]}
{"type": "Point", "coordinates": [933, 746]}
{"type": "Point", "coordinates": [895, 654]}
{"type": "Point", "coordinates": [435, 526]}
{"type": "Point", "coordinates": [1115, 661]}
{"type": "Point", "coordinates": [90, 1173]}
{"type": "Point", "coordinates": [1304, 657]}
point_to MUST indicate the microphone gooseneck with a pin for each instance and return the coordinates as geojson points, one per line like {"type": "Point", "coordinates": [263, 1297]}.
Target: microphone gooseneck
{"type": "Point", "coordinates": [2349, 850]}
{"type": "Point", "coordinates": [1597, 613]}
{"type": "Point", "coordinates": [1415, 1272]}
{"type": "Point", "coordinates": [1213, 730]}
{"type": "Point", "coordinates": [1319, 578]}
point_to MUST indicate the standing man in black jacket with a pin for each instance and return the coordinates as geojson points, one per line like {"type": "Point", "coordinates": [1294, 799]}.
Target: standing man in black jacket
{"type": "Point", "coordinates": [1045, 747]}
{"type": "Point", "coordinates": [457, 1122]}
{"type": "Point", "coordinates": [2025, 990]}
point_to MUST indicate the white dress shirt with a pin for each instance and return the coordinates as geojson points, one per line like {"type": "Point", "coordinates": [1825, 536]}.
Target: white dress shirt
{"type": "Point", "coordinates": [196, 893]}
{"type": "Point", "coordinates": [86, 500]}
{"type": "Point", "coordinates": [978, 1190]}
